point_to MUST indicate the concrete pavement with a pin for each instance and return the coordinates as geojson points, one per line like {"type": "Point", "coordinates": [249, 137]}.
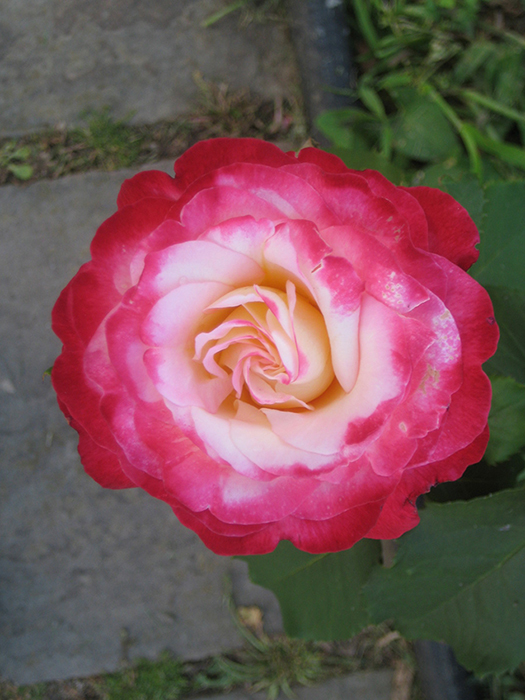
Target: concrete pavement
{"type": "Point", "coordinates": [61, 58]}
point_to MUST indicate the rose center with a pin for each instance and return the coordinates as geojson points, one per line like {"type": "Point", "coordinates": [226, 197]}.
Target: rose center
{"type": "Point", "coordinates": [273, 346]}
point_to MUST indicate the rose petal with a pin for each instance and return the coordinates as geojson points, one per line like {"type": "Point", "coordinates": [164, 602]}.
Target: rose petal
{"type": "Point", "coordinates": [118, 239]}
{"type": "Point", "coordinates": [254, 437]}
{"type": "Point", "coordinates": [384, 372]}
{"type": "Point", "coordinates": [399, 513]}
{"type": "Point", "coordinates": [451, 231]}
{"type": "Point", "coordinates": [333, 284]}
{"type": "Point", "coordinates": [145, 185]}
{"type": "Point", "coordinates": [268, 185]}
{"type": "Point", "coordinates": [206, 156]}
{"type": "Point", "coordinates": [404, 203]}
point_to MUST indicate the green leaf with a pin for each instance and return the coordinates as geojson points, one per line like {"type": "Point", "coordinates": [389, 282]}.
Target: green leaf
{"type": "Point", "coordinates": [422, 132]}
{"type": "Point", "coordinates": [458, 577]}
{"type": "Point", "coordinates": [493, 105]}
{"type": "Point", "coordinates": [499, 213]}
{"type": "Point", "coordinates": [442, 174]}
{"type": "Point", "coordinates": [22, 172]}
{"type": "Point", "coordinates": [509, 310]}
{"type": "Point", "coordinates": [502, 250]}
{"type": "Point", "coordinates": [337, 124]}
{"type": "Point", "coordinates": [365, 23]}
{"type": "Point", "coordinates": [22, 153]}
{"type": "Point", "coordinates": [372, 101]}
{"type": "Point", "coordinates": [506, 420]}
{"type": "Point", "coordinates": [513, 155]}
{"type": "Point", "coordinates": [472, 59]}
{"type": "Point", "coordinates": [320, 594]}
{"type": "Point", "coordinates": [509, 77]}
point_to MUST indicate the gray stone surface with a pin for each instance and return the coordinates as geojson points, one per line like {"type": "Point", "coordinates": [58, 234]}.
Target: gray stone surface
{"type": "Point", "coordinates": [366, 685]}
{"type": "Point", "coordinates": [59, 58]}
{"type": "Point", "coordinates": [88, 576]}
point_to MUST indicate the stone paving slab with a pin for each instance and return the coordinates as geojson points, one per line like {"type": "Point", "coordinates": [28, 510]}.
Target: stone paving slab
{"type": "Point", "coordinates": [59, 58]}
{"type": "Point", "coordinates": [81, 566]}
{"type": "Point", "coordinates": [365, 685]}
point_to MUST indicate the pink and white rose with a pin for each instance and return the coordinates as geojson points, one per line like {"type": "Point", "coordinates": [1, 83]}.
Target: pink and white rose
{"type": "Point", "coordinates": [278, 347]}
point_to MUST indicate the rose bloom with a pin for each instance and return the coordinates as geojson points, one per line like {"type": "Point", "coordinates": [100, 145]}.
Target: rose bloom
{"type": "Point", "coordinates": [278, 347]}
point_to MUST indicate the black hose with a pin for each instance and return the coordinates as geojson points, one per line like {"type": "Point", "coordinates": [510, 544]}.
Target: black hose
{"type": "Point", "coordinates": [321, 37]}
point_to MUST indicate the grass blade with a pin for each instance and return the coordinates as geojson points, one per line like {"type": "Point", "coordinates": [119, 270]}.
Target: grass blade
{"type": "Point", "coordinates": [463, 129]}
{"type": "Point", "coordinates": [513, 155]}
{"type": "Point", "coordinates": [213, 19]}
{"type": "Point", "coordinates": [493, 105]}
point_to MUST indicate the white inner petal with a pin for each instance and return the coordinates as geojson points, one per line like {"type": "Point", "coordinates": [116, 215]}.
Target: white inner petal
{"type": "Point", "coordinates": [273, 345]}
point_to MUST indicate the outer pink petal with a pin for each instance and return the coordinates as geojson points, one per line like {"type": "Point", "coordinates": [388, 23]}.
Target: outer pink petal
{"type": "Point", "coordinates": [353, 202]}
{"type": "Point", "coordinates": [399, 513]}
{"type": "Point", "coordinates": [152, 183]}
{"type": "Point", "coordinates": [472, 310]}
{"type": "Point", "coordinates": [262, 541]}
{"type": "Point", "coordinates": [80, 404]}
{"type": "Point", "coordinates": [79, 399]}
{"type": "Point", "coordinates": [278, 191]}
{"type": "Point", "coordinates": [119, 411]}
{"type": "Point", "coordinates": [404, 204]}
{"type": "Point", "coordinates": [452, 233]}
{"type": "Point", "coordinates": [293, 196]}
{"type": "Point", "coordinates": [471, 307]}
{"type": "Point", "coordinates": [118, 238]}
{"type": "Point", "coordinates": [168, 234]}
{"type": "Point", "coordinates": [102, 465]}
{"type": "Point", "coordinates": [437, 370]}
{"type": "Point", "coordinates": [125, 355]}
{"type": "Point", "coordinates": [359, 486]}
{"type": "Point", "coordinates": [392, 451]}
{"type": "Point", "coordinates": [207, 156]}
{"type": "Point", "coordinates": [336, 534]}
{"type": "Point", "coordinates": [83, 305]}
{"type": "Point", "coordinates": [200, 483]}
